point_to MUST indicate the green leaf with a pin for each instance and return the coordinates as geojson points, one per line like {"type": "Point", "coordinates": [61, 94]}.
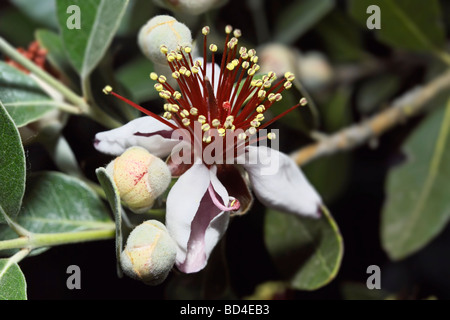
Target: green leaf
{"type": "Point", "coordinates": [297, 18]}
{"type": "Point", "coordinates": [56, 55]}
{"type": "Point", "coordinates": [406, 24]}
{"type": "Point", "coordinates": [55, 202]}
{"type": "Point", "coordinates": [134, 77]}
{"type": "Point", "coordinates": [22, 96]}
{"type": "Point", "coordinates": [12, 281]}
{"type": "Point", "coordinates": [418, 207]}
{"type": "Point", "coordinates": [342, 37]}
{"type": "Point", "coordinates": [43, 14]}
{"type": "Point", "coordinates": [100, 20]}
{"type": "Point", "coordinates": [112, 194]}
{"type": "Point", "coordinates": [307, 252]}
{"type": "Point", "coordinates": [12, 166]}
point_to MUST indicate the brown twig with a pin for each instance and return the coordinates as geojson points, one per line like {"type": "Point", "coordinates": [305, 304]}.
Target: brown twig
{"type": "Point", "coordinates": [410, 104]}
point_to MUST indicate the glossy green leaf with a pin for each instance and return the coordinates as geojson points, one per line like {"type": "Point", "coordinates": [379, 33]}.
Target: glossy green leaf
{"type": "Point", "coordinates": [418, 206]}
{"type": "Point", "coordinates": [12, 166]}
{"type": "Point", "coordinates": [298, 17]}
{"type": "Point", "coordinates": [12, 281]}
{"type": "Point", "coordinates": [406, 24]}
{"type": "Point", "coordinates": [307, 252]}
{"type": "Point", "coordinates": [22, 96]}
{"type": "Point", "coordinates": [100, 20]}
{"type": "Point", "coordinates": [112, 194]}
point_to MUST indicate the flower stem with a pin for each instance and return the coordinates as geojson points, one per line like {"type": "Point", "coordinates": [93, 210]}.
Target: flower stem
{"type": "Point", "coordinates": [39, 240]}
{"type": "Point", "coordinates": [94, 113]}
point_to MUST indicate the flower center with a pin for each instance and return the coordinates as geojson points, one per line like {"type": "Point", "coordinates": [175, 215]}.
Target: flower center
{"type": "Point", "coordinates": [230, 99]}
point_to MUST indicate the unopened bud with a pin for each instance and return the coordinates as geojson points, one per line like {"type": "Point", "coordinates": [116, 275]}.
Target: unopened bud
{"type": "Point", "coordinates": [149, 254]}
{"type": "Point", "coordinates": [166, 31]}
{"type": "Point", "coordinates": [140, 178]}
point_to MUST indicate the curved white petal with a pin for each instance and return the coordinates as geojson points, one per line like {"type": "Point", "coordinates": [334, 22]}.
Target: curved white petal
{"type": "Point", "coordinates": [280, 184]}
{"type": "Point", "coordinates": [145, 132]}
{"type": "Point", "coordinates": [192, 219]}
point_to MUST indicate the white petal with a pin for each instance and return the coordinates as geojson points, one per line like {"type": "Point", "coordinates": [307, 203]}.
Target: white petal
{"type": "Point", "coordinates": [182, 205]}
{"type": "Point", "coordinates": [192, 219]}
{"type": "Point", "coordinates": [157, 141]}
{"type": "Point", "coordinates": [280, 184]}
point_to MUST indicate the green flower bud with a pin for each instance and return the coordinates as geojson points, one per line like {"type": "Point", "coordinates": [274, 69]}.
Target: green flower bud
{"type": "Point", "coordinates": [164, 31]}
{"type": "Point", "coordinates": [149, 254]}
{"type": "Point", "coordinates": [140, 178]}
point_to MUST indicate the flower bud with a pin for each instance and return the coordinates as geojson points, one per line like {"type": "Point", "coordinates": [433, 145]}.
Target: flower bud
{"type": "Point", "coordinates": [315, 70]}
{"type": "Point", "coordinates": [277, 58]}
{"type": "Point", "coordinates": [163, 30]}
{"type": "Point", "coordinates": [190, 7]}
{"type": "Point", "coordinates": [149, 254]}
{"type": "Point", "coordinates": [140, 178]}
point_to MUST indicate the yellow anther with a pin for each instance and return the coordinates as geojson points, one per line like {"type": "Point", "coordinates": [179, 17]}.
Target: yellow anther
{"type": "Point", "coordinates": [251, 52]}
{"type": "Point", "coordinates": [215, 123]}
{"type": "Point", "coordinates": [167, 106]}
{"type": "Point", "coordinates": [207, 139]}
{"type": "Point", "coordinates": [256, 67]}
{"type": "Point", "coordinates": [198, 63]}
{"type": "Point", "coordinates": [187, 50]}
{"type": "Point", "coordinates": [257, 83]}
{"type": "Point", "coordinates": [179, 56]}
{"type": "Point", "coordinates": [251, 131]}
{"type": "Point", "coordinates": [195, 70]}
{"type": "Point", "coordinates": [267, 84]}
{"type": "Point", "coordinates": [171, 57]}
{"type": "Point", "coordinates": [254, 59]}
{"type": "Point", "coordinates": [162, 79]}
{"type": "Point", "coordinates": [262, 94]}
{"type": "Point", "coordinates": [177, 95]}
{"type": "Point", "coordinates": [271, 97]}
{"type": "Point", "coordinates": [251, 72]}
{"type": "Point", "coordinates": [230, 66]}
{"type": "Point", "coordinates": [287, 85]}
{"type": "Point", "coordinates": [201, 119]}
{"type": "Point", "coordinates": [229, 119]}
{"type": "Point", "coordinates": [165, 94]}
{"type": "Point", "coordinates": [261, 109]}
{"type": "Point", "coordinates": [206, 127]}
{"type": "Point", "coordinates": [163, 49]}
{"type": "Point", "coordinates": [289, 76]}
{"type": "Point", "coordinates": [154, 76]}
{"type": "Point", "coordinates": [188, 73]}
{"type": "Point", "coordinates": [259, 117]}
{"type": "Point", "coordinates": [228, 29]}
{"type": "Point", "coordinates": [242, 136]}
{"type": "Point", "coordinates": [237, 33]}
{"type": "Point", "coordinates": [255, 123]}
{"type": "Point", "coordinates": [235, 62]}
{"type": "Point", "coordinates": [186, 122]}
{"type": "Point", "coordinates": [271, 136]}
{"type": "Point", "coordinates": [175, 74]}
{"type": "Point", "coordinates": [244, 56]}
{"type": "Point", "coordinates": [245, 65]}
{"type": "Point", "coordinates": [222, 132]}
{"type": "Point", "coordinates": [242, 50]}
{"type": "Point", "coordinates": [303, 102]}
{"type": "Point", "coordinates": [278, 97]}
{"type": "Point", "coordinates": [159, 87]}
{"type": "Point", "coordinates": [213, 48]}
{"type": "Point", "coordinates": [174, 108]}
{"type": "Point", "coordinates": [167, 115]}
{"type": "Point", "coordinates": [182, 70]}
{"type": "Point", "coordinates": [107, 90]}
{"type": "Point", "coordinates": [185, 112]}
{"type": "Point", "coordinates": [194, 111]}
{"type": "Point", "coordinates": [206, 30]}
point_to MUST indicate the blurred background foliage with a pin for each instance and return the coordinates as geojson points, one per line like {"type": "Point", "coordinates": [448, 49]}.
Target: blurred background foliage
{"type": "Point", "coordinates": [374, 192]}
